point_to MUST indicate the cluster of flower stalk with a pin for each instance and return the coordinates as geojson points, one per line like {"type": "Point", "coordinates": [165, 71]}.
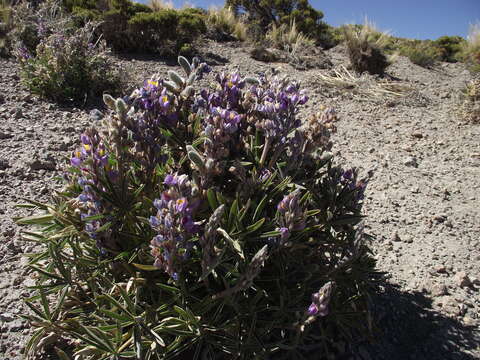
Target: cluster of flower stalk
{"type": "Point", "coordinates": [163, 115]}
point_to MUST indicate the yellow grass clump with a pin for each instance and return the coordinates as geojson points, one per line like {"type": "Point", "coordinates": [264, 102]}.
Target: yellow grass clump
{"type": "Point", "coordinates": [288, 37]}
{"type": "Point", "coordinates": [224, 19]}
{"type": "Point", "coordinates": [471, 48]}
{"type": "Point", "coordinates": [365, 45]}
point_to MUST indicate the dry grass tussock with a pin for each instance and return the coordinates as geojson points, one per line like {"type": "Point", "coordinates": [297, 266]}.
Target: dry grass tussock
{"type": "Point", "coordinates": [225, 20]}
{"type": "Point", "coordinates": [365, 46]}
{"type": "Point", "coordinates": [363, 85]}
{"type": "Point", "coordinates": [158, 5]}
{"type": "Point", "coordinates": [288, 38]}
{"type": "Point", "coordinates": [471, 49]}
{"type": "Point", "coordinates": [470, 106]}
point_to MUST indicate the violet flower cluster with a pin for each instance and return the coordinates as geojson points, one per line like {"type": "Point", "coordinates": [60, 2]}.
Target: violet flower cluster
{"type": "Point", "coordinates": [320, 301]}
{"type": "Point", "coordinates": [92, 160]}
{"type": "Point", "coordinates": [349, 180]}
{"type": "Point", "coordinates": [174, 224]}
{"type": "Point", "coordinates": [277, 104]}
{"type": "Point", "coordinates": [291, 216]}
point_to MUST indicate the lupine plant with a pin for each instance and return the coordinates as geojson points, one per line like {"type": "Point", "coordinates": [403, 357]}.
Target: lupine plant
{"type": "Point", "coordinates": [69, 66]}
{"type": "Point", "coordinates": [203, 224]}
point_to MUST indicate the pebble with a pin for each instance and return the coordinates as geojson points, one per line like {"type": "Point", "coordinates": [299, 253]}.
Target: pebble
{"type": "Point", "coordinates": [461, 279]}
{"type": "Point", "coordinates": [410, 161]}
{"type": "Point", "coordinates": [439, 290]}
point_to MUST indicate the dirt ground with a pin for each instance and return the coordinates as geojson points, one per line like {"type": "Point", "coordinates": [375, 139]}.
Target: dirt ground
{"type": "Point", "coordinates": [422, 203]}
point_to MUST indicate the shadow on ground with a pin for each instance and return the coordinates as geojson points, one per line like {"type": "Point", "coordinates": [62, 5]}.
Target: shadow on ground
{"type": "Point", "coordinates": [410, 329]}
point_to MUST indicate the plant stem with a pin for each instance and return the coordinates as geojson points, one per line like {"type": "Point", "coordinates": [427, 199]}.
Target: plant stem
{"type": "Point", "coordinates": [266, 147]}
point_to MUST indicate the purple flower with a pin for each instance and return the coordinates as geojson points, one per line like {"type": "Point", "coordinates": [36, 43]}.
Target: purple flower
{"type": "Point", "coordinates": [312, 309]}
{"type": "Point", "coordinates": [181, 204]}
{"type": "Point", "coordinates": [170, 180]}
{"type": "Point", "coordinates": [154, 222]}
{"type": "Point", "coordinates": [75, 161]}
{"type": "Point", "coordinates": [85, 139]}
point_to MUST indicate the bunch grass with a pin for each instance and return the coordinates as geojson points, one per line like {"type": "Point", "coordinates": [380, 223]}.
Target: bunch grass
{"type": "Point", "coordinates": [365, 47]}
{"type": "Point", "coordinates": [224, 19]}
{"type": "Point", "coordinates": [288, 37]}
{"type": "Point", "coordinates": [469, 109]}
{"type": "Point", "coordinates": [363, 85]}
{"type": "Point", "coordinates": [471, 48]}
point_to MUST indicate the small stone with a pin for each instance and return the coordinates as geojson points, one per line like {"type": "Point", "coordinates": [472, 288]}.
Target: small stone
{"type": "Point", "coordinates": [461, 279]}
{"type": "Point", "coordinates": [408, 239]}
{"type": "Point", "coordinates": [18, 113]}
{"type": "Point", "coordinates": [440, 218]}
{"type": "Point", "coordinates": [441, 269]}
{"type": "Point", "coordinates": [439, 290]}
{"type": "Point", "coordinates": [410, 161]}
{"type": "Point", "coordinates": [395, 237]}
{"type": "Point", "coordinates": [4, 164]}
{"type": "Point", "coordinates": [4, 135]}
{"type": "Point", "coordinates": [417, 135]}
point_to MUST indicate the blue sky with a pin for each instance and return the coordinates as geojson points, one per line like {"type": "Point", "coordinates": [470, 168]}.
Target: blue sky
{"type": "Point", "coordinates": [420, 19]}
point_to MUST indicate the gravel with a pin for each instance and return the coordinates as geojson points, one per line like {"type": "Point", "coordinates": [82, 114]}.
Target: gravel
{"type": "Point", "coordinates": [421, 205]}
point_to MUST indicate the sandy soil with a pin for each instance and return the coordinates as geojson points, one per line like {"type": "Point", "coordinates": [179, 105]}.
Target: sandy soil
{"type": "Point", "coordinates": [422, 202]}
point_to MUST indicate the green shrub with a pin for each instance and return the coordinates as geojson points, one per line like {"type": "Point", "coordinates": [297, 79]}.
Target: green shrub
{"type": "Point", "coordinates": [262, 14]}
{"type": "Point", "coordinates": [422, 53]}
{"type": "Point", "coordinates": [450, 47]}
{"type": "Point", "coordinates": [206, 224]}
{"type": "Point", "coordinates": [365, 48]}
{"type": "Point", "coordinates": [166, 31]}
{"type": "Point", "coordinates": [69, 67]}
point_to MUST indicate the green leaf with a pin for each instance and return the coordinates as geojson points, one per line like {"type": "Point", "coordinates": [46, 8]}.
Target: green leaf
{"type": "Point", "coordinates": [259, 208]}
{"type": "Point", "coordinates": [145, 267]}
{"type": "Point", "coordinates": [46, 273]}
{"type": "Point", "coordinates": [312, 212]}
{"type": "Point", "coordinates": [347, 220]}
{"type": "Point", "coordinates": [183, 62]}
{"type": "Point", "coordinates": [233, 213]}
{"type": "Point", "coordinates": [212, 199]}
{"type": "Point", "coordinates": [61, 354]}
{"type": "Point", "coordinates": [116, 316]}
{"type": "Point", "coordinates": [234, 243]}
{"type": "Point", "coordinates": [271, 234]}
{"type": "Point", "coordinates": [254, 227]}
{"type": "Point", "coordinates": [32, 343]}
{"type": "Point", "coordinates": [170, 289]}
{"type": "Point", "coordinates": [35, 220]}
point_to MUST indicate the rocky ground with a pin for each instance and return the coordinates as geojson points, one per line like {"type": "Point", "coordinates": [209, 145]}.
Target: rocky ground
{"type": "Point", "coordinates": [422, 202]}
